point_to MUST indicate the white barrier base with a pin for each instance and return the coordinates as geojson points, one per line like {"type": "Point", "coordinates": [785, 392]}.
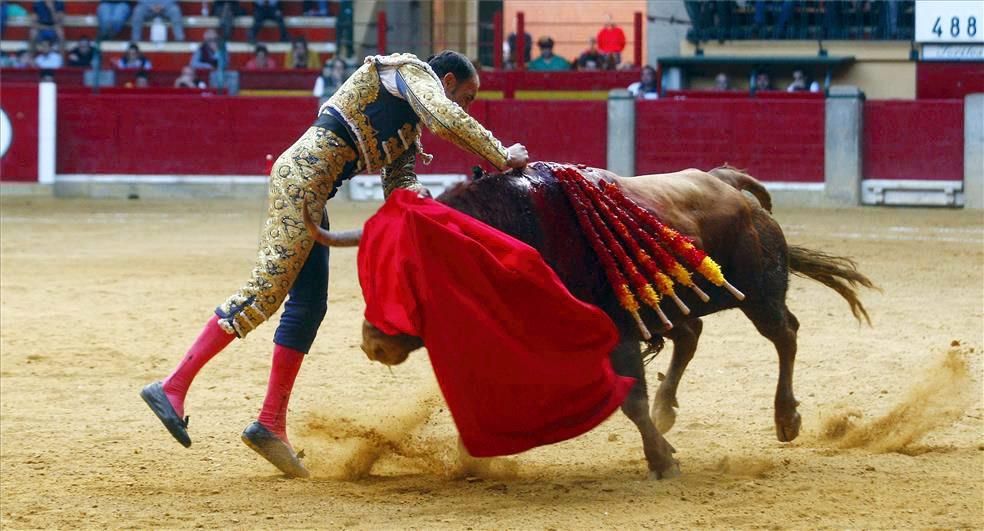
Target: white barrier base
{"type": "Point", "coordinates": [912, 193]}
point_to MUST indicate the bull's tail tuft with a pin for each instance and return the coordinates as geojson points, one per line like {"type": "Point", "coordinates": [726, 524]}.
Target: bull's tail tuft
{"type": "Point", "coordinates": [744, 182]}
{"type": "Point", "coordinates": [838, 273]}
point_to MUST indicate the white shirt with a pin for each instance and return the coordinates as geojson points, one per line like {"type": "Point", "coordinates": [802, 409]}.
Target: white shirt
{"type": "Point", "coordinates": [51, 59]}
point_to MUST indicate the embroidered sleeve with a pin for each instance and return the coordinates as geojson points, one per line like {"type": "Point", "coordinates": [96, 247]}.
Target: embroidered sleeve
{"type": "Point", "coordinates": [445, 118]}
{"type": "Point", "coordinates": [402, 174]}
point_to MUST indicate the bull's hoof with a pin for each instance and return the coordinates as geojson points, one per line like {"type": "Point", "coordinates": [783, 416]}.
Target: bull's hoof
{"type": "Point", "coordinates": [788, 427]}
{"type": "Point", "coordinates": [669, 472]}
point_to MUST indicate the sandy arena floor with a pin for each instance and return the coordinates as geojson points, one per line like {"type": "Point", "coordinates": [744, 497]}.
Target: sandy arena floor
{"type": "Point", "coordinates": [102, 297]}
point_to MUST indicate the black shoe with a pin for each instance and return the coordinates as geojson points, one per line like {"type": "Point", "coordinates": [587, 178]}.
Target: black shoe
{"type": "Point", "coordinates": [274, 450]}
{"type": "Point", "coordinates": [154, 395]}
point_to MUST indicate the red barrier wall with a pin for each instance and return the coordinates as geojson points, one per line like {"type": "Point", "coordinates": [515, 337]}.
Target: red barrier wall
{"type": "Point", "coordinates": [559, 131]}
{"type": "Point", "coordinates": [914, 139]}
{"type": "Point", "coordinates": [948, 80]}
{"type": "Point", "coordinates": [20, 104]}
{"type": "Point", "coordinates": [218, 135]}
{"type": "Point", "coordinates": [207, 135]}
{"type": "Point", "coordinates": [774, 140]}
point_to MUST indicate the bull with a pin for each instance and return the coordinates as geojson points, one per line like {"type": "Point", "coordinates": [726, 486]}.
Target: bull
{"type": "Point", "coordinates": [728, 215]}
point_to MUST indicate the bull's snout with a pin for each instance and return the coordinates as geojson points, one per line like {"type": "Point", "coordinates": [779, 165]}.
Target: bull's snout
{"type": "Point", "coordinates": [387, 349]}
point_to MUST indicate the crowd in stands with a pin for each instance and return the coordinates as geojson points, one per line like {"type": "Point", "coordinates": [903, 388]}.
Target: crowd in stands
{"type": "Point", "coordinates": [801, 19]}
{"type": "Point", "coordinates": [46, 42]}
{"type": "Point", "coordinates": [604, 52]}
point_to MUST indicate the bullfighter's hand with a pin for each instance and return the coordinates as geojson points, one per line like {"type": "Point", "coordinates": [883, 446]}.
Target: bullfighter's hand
{"type": "Point", "coordinates": [517, 156]}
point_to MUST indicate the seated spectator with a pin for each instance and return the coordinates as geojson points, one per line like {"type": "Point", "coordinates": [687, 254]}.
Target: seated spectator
{"type": "Point", "coordinates": [721, 82]}
{"type": "Point", "coordinates": [112, 15]}
{"type": "Point", "coordinates": [48, 56]}
{"type": "Point", "coordinates": [315, 8]}
{"type": "Point", "coordinates": [206, 56]}
{"type": "Point", "coordinates": [187, 79]}
{"type": "Point", "coordinates": [226, 11]}
{"type": "Point", "coordinates": [547, 60]}
{"type": "Point", "coordinates": [153, 9]}
{"type": "Point", "coordinates": [611, 41]}
{"type": "Point", "coordinates": [592, 58]}
{"type": "Point", "coordinates": [299, 56]}
{"type": "Point", "coordinates": [133, 59]}
{"type": "Point", "coordinates": [261, 60]}
{"type": "Point", "coordinates": [511, 49]}
{"type": "Point", "coordinates": [264, 10]}
{"type": "Point", "coordinates": [82, 54]}
{"type": "Point", "coordinates": [802, 84]}
{"type": "Point", "coordinates": [646, 88]}
{"type": "Point", "coordinates": [331, 78]}
{"type": "Point", "coordinates": [47, 75]}
{"type": "Point", "coordinates": [785, 12]}
{"type": "Point", "coordinates": [47, 21]}
{"type": "Point", "coordinates": [21, 59]}
{"type": "Point", "coordinates": [762, 82]}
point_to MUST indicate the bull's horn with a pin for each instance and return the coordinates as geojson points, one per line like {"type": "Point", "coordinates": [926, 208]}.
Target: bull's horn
{"type": "Point", "coordinates": [345, 238]}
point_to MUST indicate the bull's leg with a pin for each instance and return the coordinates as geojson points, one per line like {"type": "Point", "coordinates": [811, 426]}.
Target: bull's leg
{"type": "Point", "coordinates": [627, 361]}
{"type": "Point", "coordinates": [779, 325]}
{"type": "Point", "coordinates": [684, 336]}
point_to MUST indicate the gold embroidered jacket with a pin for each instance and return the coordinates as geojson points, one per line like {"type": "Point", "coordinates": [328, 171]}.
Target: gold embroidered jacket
{"type": "Point", "coordinates": [387, 128]}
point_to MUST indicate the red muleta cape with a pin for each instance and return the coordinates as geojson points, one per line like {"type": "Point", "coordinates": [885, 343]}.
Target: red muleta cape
{"type": "Point", "coordinates": [521, 362]}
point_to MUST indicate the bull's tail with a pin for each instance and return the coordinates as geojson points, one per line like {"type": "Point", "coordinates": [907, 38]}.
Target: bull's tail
{"type": "Point", "coordinates": [744, 182]}
{"type": "Point", "coordinates": [836, 272]}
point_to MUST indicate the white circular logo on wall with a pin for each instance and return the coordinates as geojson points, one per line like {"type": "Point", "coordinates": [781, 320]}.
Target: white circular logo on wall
{"type": "Point", "coordinates": [6, 133]}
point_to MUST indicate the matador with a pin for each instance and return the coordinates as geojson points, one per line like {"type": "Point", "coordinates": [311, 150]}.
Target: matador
{"type": "Point", "coordinates": [372, 123]}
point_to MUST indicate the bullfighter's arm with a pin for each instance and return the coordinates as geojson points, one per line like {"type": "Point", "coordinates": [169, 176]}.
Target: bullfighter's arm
{"type": "Point", "coordinates": [445, 118]}
{"type": "Point", "coordinates": [401, 174]}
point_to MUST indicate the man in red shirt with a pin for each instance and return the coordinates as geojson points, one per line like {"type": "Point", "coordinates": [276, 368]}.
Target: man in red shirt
{"type": "Point", "coordinates": [611, 42]}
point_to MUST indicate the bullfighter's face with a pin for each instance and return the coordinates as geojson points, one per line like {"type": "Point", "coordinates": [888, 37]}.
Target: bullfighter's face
{"type": "Point", "coordinates": [461, 92]}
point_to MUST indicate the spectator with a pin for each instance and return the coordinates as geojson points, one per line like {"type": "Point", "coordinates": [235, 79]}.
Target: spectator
{"type": "Point", "coordinates": [802, 84]}
{"type": "Point", "coordinates": [527, 48]}
{"type": "Point", "coordinates": [226, 11]}
{"type": "Point", "coordinates": [82, 54]}
{"type": "Point", "coordinates": [21, 59]}
{"type": "Point", "coordinates": [112, 15]}
{"type": "Point", "coordinates": [132, 59]}
{"type": "Point", "coordinates": [313, 8]}
{"type": "Point", "coordinates": [47, 21]}
{"type": "Point", "coordinates": [646, 88]}
{"type": "Point", "coordinates": [547, 60]}
{"type": "Point", "coordinates": [261, 59]}
{"type": "Point", "coordinates": [48, 56]}
{"type": "Point", "coordinates": [611, 42]}
{"type": "Point", "coordinates": [206, 56]}
{"type": "Point", "coordinates": [47, 75]}
{"type": "Point", "coordinates": [300, 56]}
{"type": "Point", "coordinates": [331, 78]}
{"type": "Point", "coordinates": [188, 79]}
{"type": "Point", "coordinates": [592, 58]}
{"type": "Point", "coordinates": [762, 82]}
{"type": "Point", "coordinates": [155, 9]}
{"type": "Point", "coordinates": [142, 80]}
{"type": "Point", "coordinates": [721, 82]}
{"type": "Point", "coordinates": [264, 10]}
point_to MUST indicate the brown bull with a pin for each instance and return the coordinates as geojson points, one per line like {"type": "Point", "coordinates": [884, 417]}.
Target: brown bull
{"type": "Point", "coordinates": [726, 212]}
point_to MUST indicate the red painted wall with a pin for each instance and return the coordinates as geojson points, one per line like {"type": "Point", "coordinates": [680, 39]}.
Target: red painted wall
{"type": "Point", "coordinates": [20, 104]}
{"type": "Point", "coordinates": [163, 134]}
{"type": "Point", "coordinates": [948, 80]}
{"type": "Point", "coordinates": [559, 131]}
{"type": "Point", "coordinates": [914, 139]}
{"type": "Point", "coordinates": [774, 140]}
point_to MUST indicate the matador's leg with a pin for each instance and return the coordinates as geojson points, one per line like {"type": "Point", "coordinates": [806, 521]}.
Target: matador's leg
{"type": "Point", "coordinates": [304, 175]}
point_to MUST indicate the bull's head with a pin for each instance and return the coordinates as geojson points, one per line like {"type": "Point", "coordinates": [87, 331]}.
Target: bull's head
{"type": "Point", "coordinates": [387, 349]}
